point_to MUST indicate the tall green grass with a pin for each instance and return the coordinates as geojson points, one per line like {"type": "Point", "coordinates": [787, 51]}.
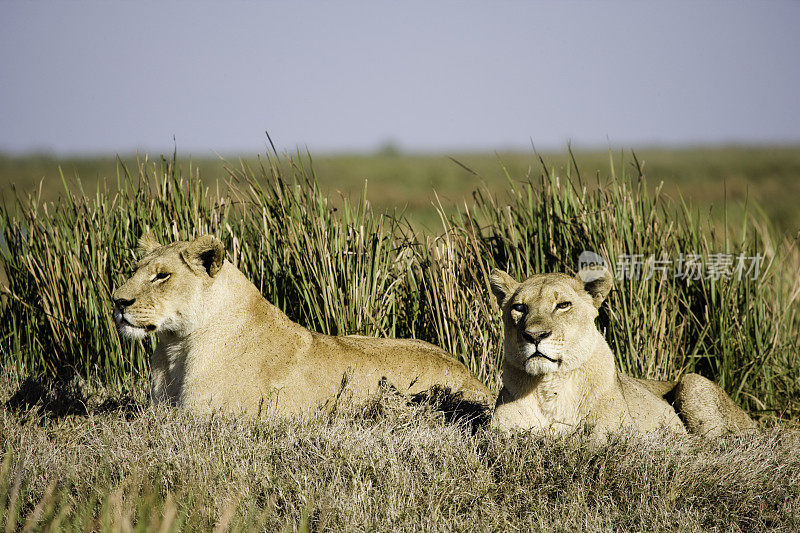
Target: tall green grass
{"type": "Point", "coordinates": [350, 270]}
{"type": "Point", "coordinates": [743, 333]}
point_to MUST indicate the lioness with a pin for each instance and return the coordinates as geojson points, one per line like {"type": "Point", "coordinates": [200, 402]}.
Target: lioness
{"type": "Point", "coordinates": [559, 372]}
{"type": "Point", "coordinates": [222, 345]}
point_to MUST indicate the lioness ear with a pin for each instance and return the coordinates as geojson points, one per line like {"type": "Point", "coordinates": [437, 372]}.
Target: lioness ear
{"type": "Point", "coordinates": [147, 243]}
{"type": "Point", "coordinates": [501, 284]}
{"type": "Point", "coordinates": [597, 281]}
{"type": "Point", "coordinates": [205, 253]}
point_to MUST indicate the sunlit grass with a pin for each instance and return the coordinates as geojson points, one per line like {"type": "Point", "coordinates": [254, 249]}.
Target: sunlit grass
{"type": "Point", "coordinates": [122, 465]}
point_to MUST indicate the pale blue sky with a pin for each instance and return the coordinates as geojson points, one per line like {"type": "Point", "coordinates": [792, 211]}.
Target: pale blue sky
{"type": "Point", "coordinates": [89, 77]}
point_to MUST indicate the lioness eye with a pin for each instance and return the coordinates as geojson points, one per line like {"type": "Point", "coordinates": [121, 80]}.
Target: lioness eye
{"type": "Point", "coordinates": [520, 308]}
{"type": "Point", "coordinates": [564, 305]}
{"type": "Point", "coordinates": [161, 276]}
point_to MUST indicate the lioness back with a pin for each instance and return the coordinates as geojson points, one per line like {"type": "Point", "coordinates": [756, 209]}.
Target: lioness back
{"type": "Point", "coordinates": [648, 411]}
{"type": "Point", "coordinates": [221, 344]}
{"type": "Point", "coordinates": [411, 366]}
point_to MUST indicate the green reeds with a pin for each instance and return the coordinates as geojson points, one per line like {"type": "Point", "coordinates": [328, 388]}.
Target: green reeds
{"type": "Point", "coordinates": [349, 270]}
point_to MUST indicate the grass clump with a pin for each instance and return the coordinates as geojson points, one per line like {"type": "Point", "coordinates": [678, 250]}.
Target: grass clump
{"type": "Point", "coordinates": [380, 465]}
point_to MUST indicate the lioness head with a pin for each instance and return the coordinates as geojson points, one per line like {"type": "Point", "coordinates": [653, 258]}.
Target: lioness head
{"type": "Point", "coordinates": [548, 319]}
{"type": "Point", "coordinates": [165, 293]}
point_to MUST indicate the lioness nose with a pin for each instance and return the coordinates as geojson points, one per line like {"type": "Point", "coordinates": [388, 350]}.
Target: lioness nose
{"type": "Point", "coordinates": [122, 303]}
{"type": "Point", "coordinates": [535, 337]}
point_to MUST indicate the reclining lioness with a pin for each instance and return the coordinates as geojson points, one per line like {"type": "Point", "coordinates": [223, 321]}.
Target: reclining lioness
{"type": "Point", "coordinates": [222, 345]}
{"type": "Point", "coordinates": [559, 372]}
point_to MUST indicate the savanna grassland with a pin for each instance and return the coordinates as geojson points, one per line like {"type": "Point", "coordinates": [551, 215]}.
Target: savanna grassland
{"type": "Point", "coordinates": [709, 177]}
{"type": "Point", "coordinates": [83, 449]}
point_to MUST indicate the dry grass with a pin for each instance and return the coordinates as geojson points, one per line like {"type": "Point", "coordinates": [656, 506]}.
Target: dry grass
{"type": "Point", "coordinates": [119, 464]}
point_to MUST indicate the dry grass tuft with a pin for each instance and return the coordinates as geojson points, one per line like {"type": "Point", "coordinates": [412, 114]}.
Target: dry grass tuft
{"type": "Point", "coordinates": [383, 464]}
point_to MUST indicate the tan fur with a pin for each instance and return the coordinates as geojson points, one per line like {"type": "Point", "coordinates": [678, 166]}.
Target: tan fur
{"type": "Point", "coordinates": [559, 372]}
{"type": "Point", "coordinates": [221, 344]}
